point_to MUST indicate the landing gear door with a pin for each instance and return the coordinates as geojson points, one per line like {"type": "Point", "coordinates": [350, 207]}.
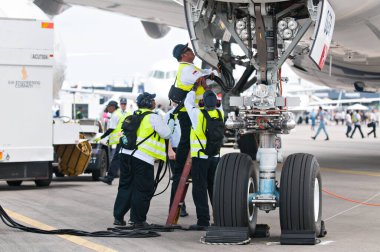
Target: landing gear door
{"type": "Point", "coordinates": [200, 23]}
{"type": "Point", "coordinates": [322, 34]}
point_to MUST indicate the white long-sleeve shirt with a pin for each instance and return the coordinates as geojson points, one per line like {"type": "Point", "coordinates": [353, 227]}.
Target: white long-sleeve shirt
{"type": "Point", "coordinates": [190, 74]}
{"type": "Point", "coordinates": [163, 129]}
{"type": "Point", "coordinates": [194, 112]}
{"type": "Point", "coordinates": [176, 136]}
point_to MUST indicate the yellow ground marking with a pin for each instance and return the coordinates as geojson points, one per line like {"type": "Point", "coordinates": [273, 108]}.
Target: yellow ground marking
{"type": "Point", "coordinates": [73, 239]}
{"type": "Point", "coordinates": [366, 173]}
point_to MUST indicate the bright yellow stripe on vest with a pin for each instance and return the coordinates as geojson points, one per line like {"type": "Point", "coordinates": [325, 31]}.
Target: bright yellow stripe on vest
{"type": "Point", "coordinates": [74, 239]}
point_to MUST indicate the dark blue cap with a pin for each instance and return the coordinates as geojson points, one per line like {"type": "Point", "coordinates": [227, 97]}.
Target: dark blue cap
{"type": "Point", "coordinates": [209, 99]}
{"type": "Point", "coordinates": [112, 103]}
{"type": "Point", "coordinates": [123, 101]}
{"type": "Point", "coordinates": [145, 99]}
{"type": "Point", "coordinates": [179, 50]}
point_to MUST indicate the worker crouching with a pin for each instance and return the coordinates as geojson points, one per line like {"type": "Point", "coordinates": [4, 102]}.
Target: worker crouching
{"type": "Point", "coordinates": [143, 142]}
{"type": "Point", "coordinates": [206, 139]}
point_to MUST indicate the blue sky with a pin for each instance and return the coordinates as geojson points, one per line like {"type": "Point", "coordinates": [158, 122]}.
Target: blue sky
{"type": "Point", "coordinates": [105, 47]}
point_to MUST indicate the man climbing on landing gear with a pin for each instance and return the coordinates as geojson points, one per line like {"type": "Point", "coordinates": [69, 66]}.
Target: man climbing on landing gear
{"type": "Point", "coordinates": [206, 139]}
{"type": "Point", "coordinates": [187, 75]}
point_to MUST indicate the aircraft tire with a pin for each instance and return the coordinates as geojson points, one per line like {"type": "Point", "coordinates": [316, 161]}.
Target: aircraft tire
{"type": "Point", "coordinates": [14, 182]}
{"type": "Point", "coordinates": [301, 194]}
{"type": "Point", "coordinates": [102, 165]}
{"type": "Point", "coordinates": [235, 179]}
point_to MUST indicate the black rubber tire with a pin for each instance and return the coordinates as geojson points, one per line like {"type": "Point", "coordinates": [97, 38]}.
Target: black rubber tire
{"type": "Point", "coordinates": [231, 188]}
{"type": "Point", "coordinates": [14, 182]}
{"type": "Point", "coordinates": [102, 165]}
{"type": "Point", "coordinates": [248, 144]}
{"type": "Point", "coordinates": [298, 180]}
{"type": "Point", "coordinates": [45, 182]}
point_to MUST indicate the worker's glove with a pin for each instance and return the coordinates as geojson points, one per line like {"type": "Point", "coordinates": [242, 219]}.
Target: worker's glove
{"type": "Point", "coordinates": [96, 140]}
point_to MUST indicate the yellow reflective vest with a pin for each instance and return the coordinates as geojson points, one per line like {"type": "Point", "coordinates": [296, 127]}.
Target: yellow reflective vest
{"type": "Point", "coordinates": [199, 131]}
{"type": "Point", "coordinates": [154, 146]}
{"type": "Point", "coordinates": [117, 132]}
{"type": "Point", "coordinates": [179, 84]}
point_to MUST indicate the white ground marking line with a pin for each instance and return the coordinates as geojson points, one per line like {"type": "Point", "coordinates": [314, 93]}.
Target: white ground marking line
{"type": "Point", "coordinates": [273, 243]}
{"type": "Point", "coordinates": [325, 242]}
{"type": "Point", "coordinates": [349, 209]}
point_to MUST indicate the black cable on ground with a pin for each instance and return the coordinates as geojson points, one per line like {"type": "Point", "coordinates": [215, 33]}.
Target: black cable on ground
{"type": "Point", "coordinates": [131, 233]}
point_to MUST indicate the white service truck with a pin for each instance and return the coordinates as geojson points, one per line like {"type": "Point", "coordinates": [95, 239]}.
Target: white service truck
{"type": "Point", "coordinates": [29, 138]}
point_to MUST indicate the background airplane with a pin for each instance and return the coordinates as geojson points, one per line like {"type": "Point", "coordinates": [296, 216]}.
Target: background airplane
{"type": "Point", "coordinates": [353, 62]}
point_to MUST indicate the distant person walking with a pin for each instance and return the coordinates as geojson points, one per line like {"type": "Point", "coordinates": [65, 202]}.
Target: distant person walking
{"type": "Point", "coordinates": [372, 123]}
{"type": "Point", "coordinates": [321, 115]}
{"type": "Point", "coordinates": [356, 119]}
{"type": "Point", "coordinates": [312, 119]}
{"type": "Point", "coordinates": [348, 122]}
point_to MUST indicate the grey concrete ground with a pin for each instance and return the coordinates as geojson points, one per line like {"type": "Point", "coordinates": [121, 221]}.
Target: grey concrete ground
{"type": "Point", "coordinates": [350, 168]}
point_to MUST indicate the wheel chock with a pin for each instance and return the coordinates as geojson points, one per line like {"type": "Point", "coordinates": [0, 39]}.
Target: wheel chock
{"type": "Point", "coordinates": [298, 237]}
{"type": "Point", "coordinates": [226, 235]}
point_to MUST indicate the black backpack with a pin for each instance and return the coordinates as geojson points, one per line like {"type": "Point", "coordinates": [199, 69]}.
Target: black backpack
{"type": "Point", "coordinates": [214, 134]}
{"type": "Point", "coordinates": [130, 126]}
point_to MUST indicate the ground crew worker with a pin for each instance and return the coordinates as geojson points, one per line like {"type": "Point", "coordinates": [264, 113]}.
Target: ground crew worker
{"type": "Point", "coordinates": [187, 75]}
{"type": "Point", "coordinates": [114, 131]}
{"type": "Point", "coordinates": [203, 166]}
{"type": "Point", "coordinates": [137, 171]}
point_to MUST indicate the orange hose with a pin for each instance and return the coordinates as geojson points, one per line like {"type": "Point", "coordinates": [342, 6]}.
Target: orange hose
{"type": "Point", "coordinates": [350, 200]}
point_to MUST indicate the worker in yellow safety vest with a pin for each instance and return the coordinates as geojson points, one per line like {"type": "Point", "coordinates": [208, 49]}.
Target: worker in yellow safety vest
{"type": "Point", "coordinates": [187, 75]}
{"type": "Point", "coordinates": [114, 132]}
{"type": "Point", "coordinates": [206, 139]}
{"type": "Point", "coordinates": [136, 183]}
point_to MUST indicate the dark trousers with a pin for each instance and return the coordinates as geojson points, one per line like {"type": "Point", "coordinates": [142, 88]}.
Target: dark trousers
{"type": "Point", "coordinates": [349, 128]}
{"type": "Point", "coordinates": [182, 151]}
{"type": "Point", "coordinates": [373, 130]}
{"type": "Point", "coordinates": [357, 126]}
{"type": "Point", "coordinates": [203, 173]}
{"type": "Point", "coordinates": [135, 188]}
{"type": "Point", "coordinates": [115, 163]}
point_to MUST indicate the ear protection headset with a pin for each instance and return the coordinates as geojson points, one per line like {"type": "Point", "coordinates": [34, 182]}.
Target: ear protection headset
{"type": "Point", "coordinates": [201, 103]}
{"type": "Point", "coordinates": [146, 102]}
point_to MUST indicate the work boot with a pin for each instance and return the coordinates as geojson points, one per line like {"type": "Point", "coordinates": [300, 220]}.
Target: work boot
{"type": "Point", "coordinates": [313, 138]}
{"type": "Point", "coordinates": [143, 224]}
{"type": "Point", "coordinates": [183, 212]}
{"type": "Point", "coordinates": [117, 222]}
{"type": "Point", "coordinates": [197, 227]}
{"type": "Point", "coordinates": [327, 138]}
{"type": "Point", "coordinates": [106, 180]}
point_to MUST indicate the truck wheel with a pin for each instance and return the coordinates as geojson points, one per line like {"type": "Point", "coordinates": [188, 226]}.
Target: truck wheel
{"type": "Point", "coordinates": [102, 165]}
{"type": "Point", "coordinates": [235, 180]}
{"type": "Point", "coordinates": [14, 182]}
{"type": "Point", "coordinates": [247, 144]}
{"type": "Point", "coordinates": [301, 194]}
{"type": "Point", "coordinates": [45, 182]}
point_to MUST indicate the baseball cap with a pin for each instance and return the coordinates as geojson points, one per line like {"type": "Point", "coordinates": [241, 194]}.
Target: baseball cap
{"type": "Point", "coordinates": [123, 101]}
{"type": "Point", "coordinates": [209, 98]}
{"type": "Point", "coordinates": [143, 99]}
{"type": "Point", "coordinates": [179, 50]}
{"type": "Point", "coordinates": [112, 103]}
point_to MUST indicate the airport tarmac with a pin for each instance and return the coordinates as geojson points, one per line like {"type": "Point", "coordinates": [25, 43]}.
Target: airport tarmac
{"type": "Point", "coordinates": [350, 168]}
